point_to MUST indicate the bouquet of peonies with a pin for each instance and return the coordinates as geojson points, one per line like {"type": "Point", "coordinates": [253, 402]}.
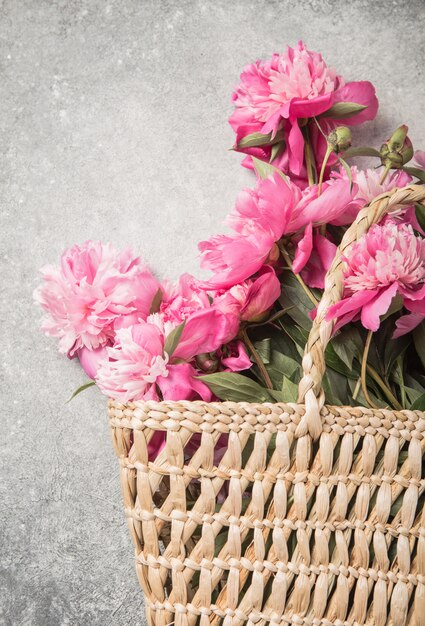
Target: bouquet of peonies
{"type": "Point", "coordinates": [240, 334]}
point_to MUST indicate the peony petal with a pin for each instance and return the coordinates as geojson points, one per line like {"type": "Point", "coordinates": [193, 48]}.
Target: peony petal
{"type": "Point", "coordinates": [372, 311]}
{"type": "Point", "coordinates": [310, 108]}
{"type": "Point", "coordinates": [90, 359]}
{"type": "Point", "coordinates": [261, 295]}
{"type": "Point", "coordinates": [304, 249]}
{"type": "Point", "coordinates": [296, 147]}
{"type": "Point", "coordinates": [182, 384]}
{"type": "Point", "coordinates": [360, 92]}
{"type": "Point", "coordinates": [352, 303]}
{"type": "Point", "coordinates": [406, 323]}
{"type": "Point", "coordinates": [239, 362]}
{"type": "Point", "coordinates": [206, 331]}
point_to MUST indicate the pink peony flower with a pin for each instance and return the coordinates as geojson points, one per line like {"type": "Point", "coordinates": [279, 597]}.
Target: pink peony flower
{"type": "Point", "coordinates": [183, 299]}
{"type": "Point", "coordinates": [274, 94]}
{"type": "Point", "coordinates": [276, 207]}
{"type": "Point", "coordinates": [368, 186]}
{"type": "Point", "coordinates": [137, 366]}
{"type": "Point", "coordinates": [251, 299]}
{"type": "Point", "coordinates": [388, 261]}
{"type": "Point", "coordinates": [94, 291]}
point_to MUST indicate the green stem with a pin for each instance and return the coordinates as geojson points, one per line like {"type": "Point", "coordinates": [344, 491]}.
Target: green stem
{"type": "Point", "coordinates": [388, 393]}
{"type": "Point", "coordinates": [322, 171]}
{"type": "Point", "coordinates": [364, 369]}
{"type": "Point", "coordinates": [310, 162]}
{"type": "Point", "coordinates": [385, 174]}
{"type": "Point", "coordinates": [297, 276]}
{"type": "Point", "coordinates": [257, 359]}
{"type": "Point", "coordinates": [367, 368]}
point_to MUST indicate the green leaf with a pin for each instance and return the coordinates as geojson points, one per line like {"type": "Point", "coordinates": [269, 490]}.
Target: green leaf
{"type": "Point", "coordinates": [277, 150]}
{"type": "Point", "coordinates": [415, 171]}
{"type": "Point", "coordinates": [412, 394]}
{"type": "Point", "coordinates": [263, 348]}
{"type": "Point", "coordinates": [156, 302]}
{"type": "Point", "coordinates": [420, 215]}
{"type": "Point", "coordinates": [294, 295]}
{"type": "Point", "coordinates": [235, 387]}
{"type": "Point", "coordinates": [419, 341]}
{"type": "Point", "coordinates": [289, 390]}
{"type": "Point", "coordinates": [298, 335]}
{"type": "Point", "coordinates": [361, 151]}
{"type": "Point", "coordinates": [173, 339]}
{"type": "Point", "coordinates": [80, 389]}
{"type": "Point", "coordinates": [258, 139]}
{"type": "Point", "coordinates": [347, 345]}
{"type": "Point", "coordinates": [342, 110]}
{"type": "Point", "coordinates": [334, 362]}
{"type": "Point", "coordinates": [419, 404]}
{"type": "Point", "coordinates": [264, 170]}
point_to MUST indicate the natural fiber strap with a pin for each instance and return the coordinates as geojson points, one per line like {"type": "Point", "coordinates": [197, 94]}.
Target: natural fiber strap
{"type": "Point", "coordinates": [310, 387]}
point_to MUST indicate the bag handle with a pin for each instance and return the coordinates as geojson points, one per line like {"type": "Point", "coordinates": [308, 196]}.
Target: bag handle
{"type": "Point", "coordinates": [310, 388]}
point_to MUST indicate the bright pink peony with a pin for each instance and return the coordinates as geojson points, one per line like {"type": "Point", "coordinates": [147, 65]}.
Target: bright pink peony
{"type": "Point", "coordinates": [138, 366]}
{"type": "Point", "coordinates": [182, 299]}
{"type": "Point", "coordinates": [297, 84]}
{"type": "Point", "coordinates": [251, 299]}
{"type": "Point", "coordinates": [388, 260]}
{"type": "Point", "coordinates": [261, 217]}
{"type": "Point", "coordinates": [94, 291]}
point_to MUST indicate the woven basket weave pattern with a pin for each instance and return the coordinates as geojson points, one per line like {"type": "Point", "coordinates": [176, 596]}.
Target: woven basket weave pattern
{"type": "Point", "coordinates": [314, 514]}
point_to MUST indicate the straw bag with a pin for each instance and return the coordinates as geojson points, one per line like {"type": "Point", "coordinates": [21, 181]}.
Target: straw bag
{"type": "Point", "coordinates": [314, 515]}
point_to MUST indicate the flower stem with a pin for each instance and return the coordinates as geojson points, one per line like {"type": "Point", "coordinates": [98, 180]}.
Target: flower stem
{"type": "Point", "coordinates": [385, 174]}
{"type": "Point", "coordinates": [297, 276]}
{"type": "Point", "coordinates": [310, 162]}
{"type": "Point", "coordinates": [322, 170]}
{"type": "Point", "coordinates": [366, 368]}
{"type": "Point", "coordinates": [389, 394]}
{"type": "Point", "coordinates": [257, 359]}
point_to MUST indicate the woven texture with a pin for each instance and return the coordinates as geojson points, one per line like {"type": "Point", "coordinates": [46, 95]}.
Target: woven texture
{"type": "Point", "coordinates": [313, 515]}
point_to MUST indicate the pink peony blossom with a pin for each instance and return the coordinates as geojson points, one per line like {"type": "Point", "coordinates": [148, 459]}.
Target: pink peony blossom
{"type": "Point", "coordinates": [274, 94]}
{"type": "Point", "coordinates": [251, 299]}
{"type": "Point", "coordinates": [368, 186]}
{"type": "Point", "coordinates": [182, 299]}
{"type": "Point", "coordinates": [276, 207]}
{"type": "Point", "coordinates": [388, 261]}
{"type": "Point", "coordinates": [94, 291]}
{"type": "Point", "coordinates": [91, 359]}
{"type": "Point", "coordinates": [137, 366]}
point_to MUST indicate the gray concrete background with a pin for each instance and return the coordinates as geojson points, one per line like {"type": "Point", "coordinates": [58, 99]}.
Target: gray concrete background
{"type": "Point", "coordinates": [113, 126]}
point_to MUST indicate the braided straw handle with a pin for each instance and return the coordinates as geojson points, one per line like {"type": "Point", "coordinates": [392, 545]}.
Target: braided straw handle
{"type": "Point", "coordinates": [310, 388]}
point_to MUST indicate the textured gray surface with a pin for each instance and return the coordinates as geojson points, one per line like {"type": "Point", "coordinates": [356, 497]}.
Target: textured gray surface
{"type": "Point", "coordinates": [113, 119]}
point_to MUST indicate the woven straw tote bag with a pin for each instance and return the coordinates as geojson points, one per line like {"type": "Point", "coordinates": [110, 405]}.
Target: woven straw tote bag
{"type": "Point", "coordinates": [314, 515]}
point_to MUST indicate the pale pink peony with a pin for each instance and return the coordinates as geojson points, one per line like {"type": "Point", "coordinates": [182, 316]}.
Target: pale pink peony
{"type": "Point", "coordinates": [368, 186]}
{"type": "Point", "coordinates": [297, 84]}
{"type": "Point", "coordinates": [94, 291]}
{"type": "Point", "coordinates": [388, 261]}
{"type": "Point", "coordinates": [276, 207]}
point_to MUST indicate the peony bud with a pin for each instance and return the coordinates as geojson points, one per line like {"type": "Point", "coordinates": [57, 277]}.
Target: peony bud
{"type": "Point", "coordinates": [339, 139]}
{"type": "Point", "coordinates": [207, 362]}
{"type": "Point", "coordinates": [398, 150]}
